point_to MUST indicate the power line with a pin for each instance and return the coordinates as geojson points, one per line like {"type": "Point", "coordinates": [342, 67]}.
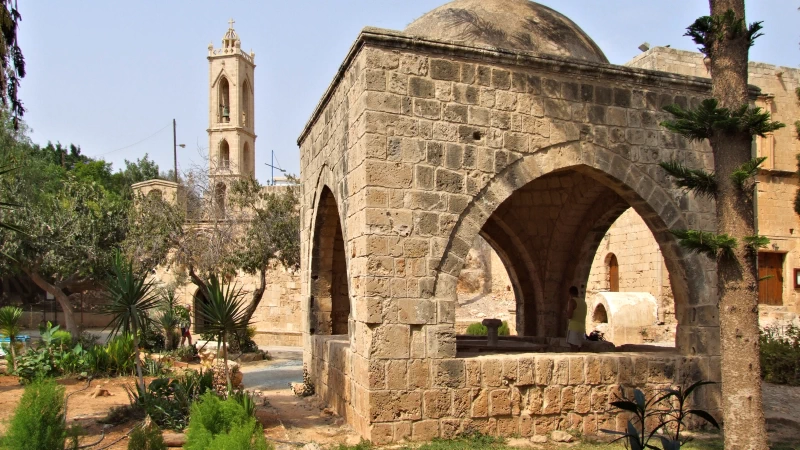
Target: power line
{"type": "Point", "coordinates": [135, 143]}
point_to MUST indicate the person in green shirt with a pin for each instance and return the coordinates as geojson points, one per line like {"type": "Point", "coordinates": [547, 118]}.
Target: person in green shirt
{"type": "Point", "coordinates": [576, 311]}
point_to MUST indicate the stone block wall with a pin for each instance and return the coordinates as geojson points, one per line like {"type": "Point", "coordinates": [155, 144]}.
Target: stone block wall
{"type": "Point", "coordinates": [522, 395]}
{"type": "Point", "coordinates": [424, 145]}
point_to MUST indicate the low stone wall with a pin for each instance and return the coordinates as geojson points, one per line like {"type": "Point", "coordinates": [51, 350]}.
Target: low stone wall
{"type": "Point", "coordinates": [523, 394]}
{"type": "Point", "coordinates": [331, 368]}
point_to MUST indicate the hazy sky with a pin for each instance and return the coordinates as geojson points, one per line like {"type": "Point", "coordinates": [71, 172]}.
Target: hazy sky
{"type": "Point", "coordinates": [106, 75]}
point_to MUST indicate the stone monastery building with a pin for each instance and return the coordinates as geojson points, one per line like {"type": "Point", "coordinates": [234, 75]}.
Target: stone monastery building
{"type": "Point", "coordinates": [501, 121]}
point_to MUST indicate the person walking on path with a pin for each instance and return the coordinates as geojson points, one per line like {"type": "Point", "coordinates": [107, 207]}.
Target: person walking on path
{"type": "Point", "coordinates": [576, 311]}
{"type": "Point", "coordinates": [186, 326]}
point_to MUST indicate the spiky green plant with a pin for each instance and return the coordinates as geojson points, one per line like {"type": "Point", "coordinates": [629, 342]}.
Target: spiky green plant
{"type": "Point", "coordinates": [225, 313]}
{"type": "Point", "coordinates": [747, 171]}
{"type": "Point", "coordinates": [168, 317]}
{"type": "Point", "coordinates": [130, 297]}
{"type": "Point", "coordinates": [702, 122]}
{"type": "Point", "coordinates": [10, 325]}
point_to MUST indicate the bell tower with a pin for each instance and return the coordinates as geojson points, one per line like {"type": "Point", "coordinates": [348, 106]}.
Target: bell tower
{"type": "Point", "coordinates": [231, 129]}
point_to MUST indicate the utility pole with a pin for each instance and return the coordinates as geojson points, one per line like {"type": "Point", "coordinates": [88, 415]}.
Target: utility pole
{"type": "Point", "coordinates": [175, 148]}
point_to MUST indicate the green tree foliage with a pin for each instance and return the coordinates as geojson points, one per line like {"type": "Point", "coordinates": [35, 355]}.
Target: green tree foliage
{"type": "Point", "coordinates": [12, 63]}
{"type": "Point", "coordinates": [707, 30]}
{"type": "Point", "coordinates": [38, 421]}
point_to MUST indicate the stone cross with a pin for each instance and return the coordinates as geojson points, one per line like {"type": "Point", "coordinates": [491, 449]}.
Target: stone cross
{"type": "Point", "coordinates": [231, 22]}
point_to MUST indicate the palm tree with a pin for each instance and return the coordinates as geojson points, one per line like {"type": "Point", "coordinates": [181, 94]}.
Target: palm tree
{"type": "Point", "coordinates": [225, 313]}
{"type": "Point", "coordinates": [130, 298]}
{"type": "Point", "coordinates": [10, 317]}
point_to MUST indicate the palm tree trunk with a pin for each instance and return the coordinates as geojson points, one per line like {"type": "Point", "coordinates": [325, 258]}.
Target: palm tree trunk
{"type": "Point", "coordinates": [136, 360]}
{"type": "Point", "coordinates": [13, 341]}
{"type": "Point", "coordinates": [225, 358]}
{"type": "Point", "coordinates": [742, 408]}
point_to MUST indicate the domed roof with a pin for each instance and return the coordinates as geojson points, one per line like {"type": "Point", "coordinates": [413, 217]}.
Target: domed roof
{"type": "Point", "coordinates": [519, 25]}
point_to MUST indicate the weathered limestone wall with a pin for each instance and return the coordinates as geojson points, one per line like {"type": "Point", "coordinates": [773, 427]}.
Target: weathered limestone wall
{"type": "Point", "coordinates": [521, 395]}
{"type": "Point", "coordinates": [425, 145]}
{"type": "Point", "coordinates": [277, 319]}
{"type": "Point", "coordinates": [777, 184]}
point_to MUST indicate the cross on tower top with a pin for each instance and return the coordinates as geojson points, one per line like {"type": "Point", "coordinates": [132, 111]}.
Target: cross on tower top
{"type": "Point", "coordinates": [230, 23]}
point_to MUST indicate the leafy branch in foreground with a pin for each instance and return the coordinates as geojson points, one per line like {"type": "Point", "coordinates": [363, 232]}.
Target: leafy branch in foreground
{"type": "Point", "coordinates": [705, 242]}
{"type": "Point", "coordinates": [696, 180]}
{"type": "Point", "coordinates": [708, 29]}
{"type": "Point", "coordinates": [702, 122]}
{"type": "Point", "coordinates": [747, 171]}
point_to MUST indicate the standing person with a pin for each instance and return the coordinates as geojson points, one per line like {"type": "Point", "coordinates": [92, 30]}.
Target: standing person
{"type": "Point", "coordinates": [576, 311]}
{"type": "Point", "coordinates": [186, 326]}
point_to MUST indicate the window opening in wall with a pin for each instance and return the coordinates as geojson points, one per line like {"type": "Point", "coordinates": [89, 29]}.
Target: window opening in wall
{"type": "Point", "coordinates": [613, 273]}
{"type": "Point", "coordinates": [219, 200]}
{"type": "Point", "coordinates": [600, 315]}
{"type": "Point", "coordinates": [330, 309]}
{"type": "Point", "coordinates": [224, 100]}
{"type": "Point", "coordinates": [224, 159]}
{"type": "Point", "coordinates": [770, 278]}
{"type": "Point", "coordinates": [155, 194]}
{"type": "Point", "coordinates": [245, 102]}
{"type": "Point", "coordinates": [245, 165]}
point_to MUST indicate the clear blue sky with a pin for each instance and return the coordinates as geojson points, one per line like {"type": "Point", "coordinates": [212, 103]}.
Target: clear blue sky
{"type": "Point", "coordinates": [105, 75]}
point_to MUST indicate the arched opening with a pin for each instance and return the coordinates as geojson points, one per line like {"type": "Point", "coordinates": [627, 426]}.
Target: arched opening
{"type": "Point", "coordinates": [155, 194]}
{"type": "Point", "coordinates": [330, 298]}
{"type": "Point", "coordinates": [613, 272]}
{"type": "Point", "coordinates": [600, 315]}
{"type": "Point", "coordinates": [246, 115]}
{"type": "Point", "coordinates": [548, 232]}
{"type": "Point", "coordinates": [224, 100]}
{"type": "Point", "coordinates": [245, 163]}
{"type": "Point", "coordinates": [219, 200]}
{"type": "Point", "coordinates": [485, 289]}
{"type": "Point", "coordinates": [200, 322]}
{"type": "Point", "coordinates": [224, 155]}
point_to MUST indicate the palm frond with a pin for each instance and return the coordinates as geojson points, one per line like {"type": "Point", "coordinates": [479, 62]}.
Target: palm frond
{"type": "Point", "coordinates": [10, 321]}
{"type": "Point", "coordinates": [701, 122]}
{"type": "Point", "coordinates": [224, 310]}
{"type": "Point", "coordinates": [696, 180]}
{"type": "Point", "coordinates": [705, 242]}
{"type": "Point", "coordinates": [747, 171]}
{"type": "Point", "coordinates": [707, 30]}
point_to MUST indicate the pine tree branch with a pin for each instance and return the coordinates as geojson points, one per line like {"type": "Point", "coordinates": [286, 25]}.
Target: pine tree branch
{"type": "Point", "coordinates": [707, 30]}
{"type": "Point", "coordinates": [705, 242]}
{"type": "Point", "coordinates": [747, 171]}
{"type": "Point", "coordinates": [700, 123]}
{"type": "Point", "coordinates": [698, 181]}
{"type": "Point", "coordinates": [756, 242]}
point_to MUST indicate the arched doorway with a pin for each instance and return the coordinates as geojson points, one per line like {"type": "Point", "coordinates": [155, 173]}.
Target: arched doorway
{"type": "Point", "coordinates": [200, 322]}
{"type": "Point", "coordinates": [550, 227]}
{"type": "Point", "coordinates": [330, 298]}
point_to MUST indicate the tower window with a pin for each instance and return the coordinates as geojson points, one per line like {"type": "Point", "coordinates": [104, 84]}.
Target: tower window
{"type": "Point", "coordinates": [613, 272]}
{"type": "Point", "coordinates": [224, 100]}
{"type": "Point", "coordinates": [219, 201]}
{"type": "Point", "coordinates": [245, 166]}
{"type": "Point", "coordinates": [245, 103]}
{"type": "Point", "coordinates": [224, 155]}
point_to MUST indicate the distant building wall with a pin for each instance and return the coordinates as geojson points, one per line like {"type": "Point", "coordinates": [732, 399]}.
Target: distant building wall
{"type": "Point", "coordinates": [777, 182]}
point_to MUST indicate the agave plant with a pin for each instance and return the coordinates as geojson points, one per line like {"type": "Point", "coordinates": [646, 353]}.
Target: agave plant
{"type": "Point", "coordinates": [130, 297]}
{"type": "Point", "coordinates": [225, 313]}
{"type": "Point", "coordinates": [169, 317]}
{"type": "Point", "coordinates": [10, 318]}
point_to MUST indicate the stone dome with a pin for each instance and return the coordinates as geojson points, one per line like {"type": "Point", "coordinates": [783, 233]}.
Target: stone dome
{"type": "Point", "coordinates": [516, 25]}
